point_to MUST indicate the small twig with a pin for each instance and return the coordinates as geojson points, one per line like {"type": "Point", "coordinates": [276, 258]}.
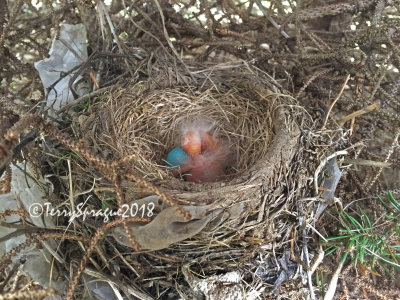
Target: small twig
{"type": "Point", "coordinates": [315, 39]}
{"type": "Point", "coordinates": [333, 283]}
{"type": "Point", "coordinates": [169, 40]}
{"type": "Point", "coordinates": [336, 99]}
{"type": "Point", "coordinates": [116, 38]}
{"type": "Point", "coordinates": [52, 86]}
{"type": "Point", "coordinates": [10, 21]}
{"type": "Point", "coordinates": [29, 138]}
{"type": "Point", "coordinates": [270, 19]}
{"type": "Point", "coordinates": [79, 72]}
{"type": "Point", "coordinates": [366, 162]}
{"type": "Point", "coordinates": [15, 267]}
{"type": "Point", "coordinates": [365, 293]}
{"type": "Point", "coordinates": [71, 187]}
{"type": "Point", "coordinates": [358, 113]}
{"type": "Point", "coordinates": [302, 221]}
{"type": "Point", "coordinates": [93, 242]}
{"type": "Point", "coordinates": [311, 79]}
{"type": "Point", "coordinates": [29, 294]}
{"type": "Point", "coordinates": [395, 144]}
{"type": "Point", "coordinates": [112, 81]}
{"type": "Point", "coordinates": [381, 258]}
{"type": "Point", "coordinates": [317, 232]}
{"type": "Point", "coordinates": [83, 98]}
{"type": "Point", "coordinates": [317, 260]}
{"type": "Point", "coordinates": [352, 123]}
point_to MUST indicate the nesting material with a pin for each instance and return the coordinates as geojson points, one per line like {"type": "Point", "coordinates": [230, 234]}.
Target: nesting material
{"type": "Point", "coordinates": [145, 127]}
{"type": "Point", "coordinates": [140, 124]}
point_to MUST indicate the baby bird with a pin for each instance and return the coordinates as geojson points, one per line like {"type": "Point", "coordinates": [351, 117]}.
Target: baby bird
{"type": "Point", "coordinates": [206, 157]}
{"type": "Point", "coordinates": [191, 142]}
{"type": "Point", "coordinates": [206, 167]}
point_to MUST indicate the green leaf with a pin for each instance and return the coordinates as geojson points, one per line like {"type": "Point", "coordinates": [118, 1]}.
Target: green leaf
{"type": "Point", "coordinates": [397, 229]}
{"type": "Point", "coordinates": [365, 217]}
{"type": "Point", "coordinates": [339, 237]}
{"type": "Point", "coordinates": [344, 257]}
{"type": "Point", "coordinates": [392, 217]}
{"type": "Point", "coordinates": [354, 221]}
{"type": "Point", "coordinates": [361, 251]}
{"type": "Point", "coordinates": [344, 219]}
{"type": "Point", "coordinates": [391, 199]}
{"type": "Point", "coordinates": [385, 269]}
{"type": "Point", "coordinates": [320, 283]}
{"type": "Point", "coordinates": [356, 236]}
{"type": "Point", "coordinates": [327, 252]}
{"type": "Point", "coordinates": [356, 257]}
{"type": "Point", "coordinates": [385, 205]}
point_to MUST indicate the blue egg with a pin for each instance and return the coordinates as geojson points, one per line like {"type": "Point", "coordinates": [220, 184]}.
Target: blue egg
{"type": "Point", "coordinates": [177, 157]}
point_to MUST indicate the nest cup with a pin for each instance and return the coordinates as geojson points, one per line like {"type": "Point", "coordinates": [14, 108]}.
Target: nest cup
{"type": "Point", "coordinates": [141, 124]}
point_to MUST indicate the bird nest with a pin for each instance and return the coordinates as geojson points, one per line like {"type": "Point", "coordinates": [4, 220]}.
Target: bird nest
{"type": "Point", "coordinates": [141, 124]}
{"type": "Point", "coordinates": [138, 124]}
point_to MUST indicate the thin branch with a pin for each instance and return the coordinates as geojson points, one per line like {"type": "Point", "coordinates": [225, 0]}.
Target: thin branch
{"type": "Point", "coordinates": [336, 99]}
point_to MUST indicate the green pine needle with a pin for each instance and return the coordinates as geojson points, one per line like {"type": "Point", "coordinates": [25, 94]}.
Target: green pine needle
{"type": "Point", "coordinates": [368, 247]}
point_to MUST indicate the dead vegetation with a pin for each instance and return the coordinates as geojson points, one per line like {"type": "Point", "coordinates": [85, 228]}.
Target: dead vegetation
{"type": "Point", "coordinates": [289, 85]}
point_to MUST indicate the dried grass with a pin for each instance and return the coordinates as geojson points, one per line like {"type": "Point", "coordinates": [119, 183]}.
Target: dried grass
{"type": "Point", "coordinates": [141, 125]}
